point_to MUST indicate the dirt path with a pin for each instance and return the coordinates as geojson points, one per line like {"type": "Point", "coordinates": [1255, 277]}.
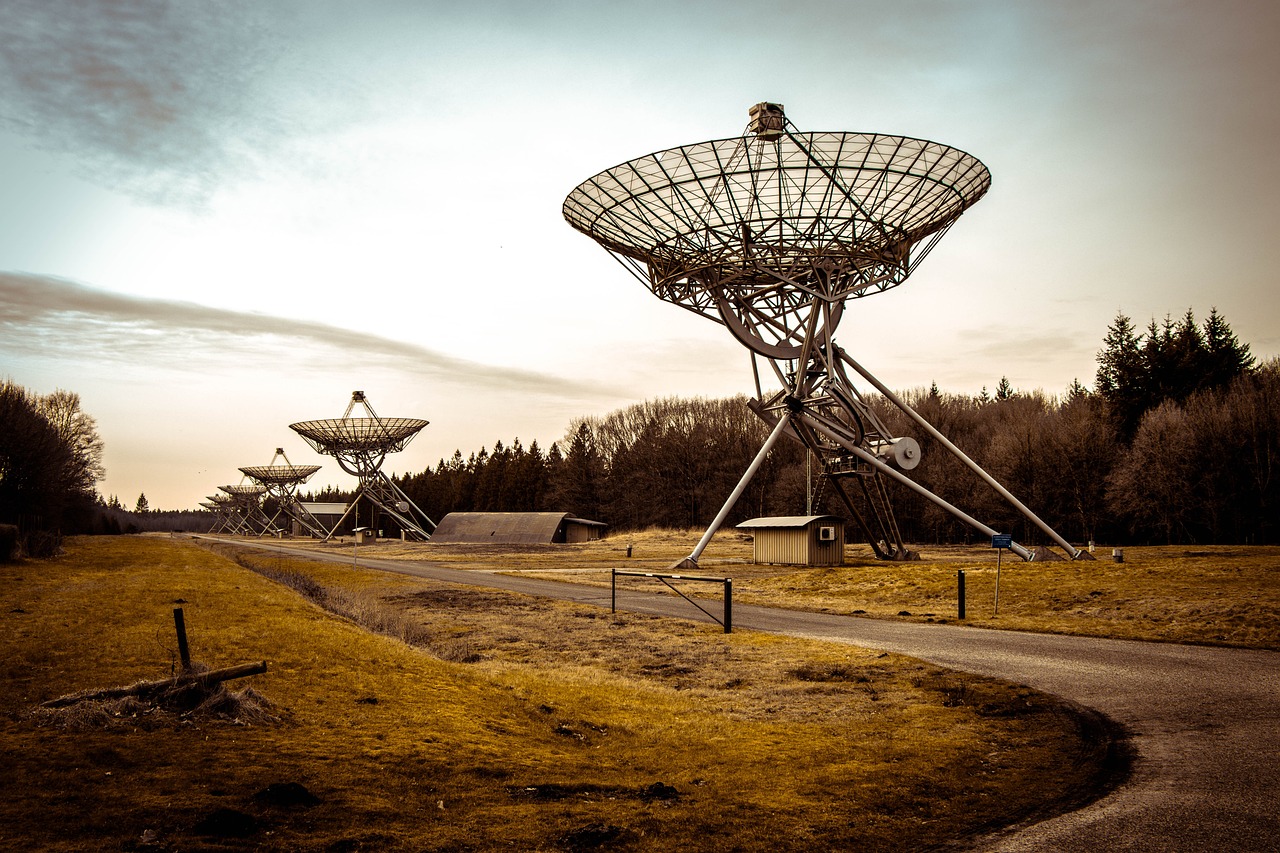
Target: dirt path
{"type": "Point", "coordinates": [1205, 722]}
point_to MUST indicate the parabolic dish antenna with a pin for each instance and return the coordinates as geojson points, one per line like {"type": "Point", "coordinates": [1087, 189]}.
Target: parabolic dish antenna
{"type": "Point", "coordinates": [749, 231]}
{"type": "Point", "coordinates": [360, 444]}
{"type": "Point", "coordinates": [243, 491]}
{"type": "Point", "coordinates": [289, 475]}
{"type": "Point", "coordinates": [219, 515]}
{"type": "Point", "coordinates": [281, 482]}
{"type": "Point", "coordinates": [245, 513]}
{"type": "Point", "coordinates": [771, 233]}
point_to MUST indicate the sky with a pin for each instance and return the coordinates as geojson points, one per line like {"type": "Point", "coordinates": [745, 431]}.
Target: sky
{"type": "Point", "coordinates": [220, 218]}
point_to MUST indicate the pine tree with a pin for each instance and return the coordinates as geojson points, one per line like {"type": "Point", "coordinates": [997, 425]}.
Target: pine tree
{"type": "Point", "coordinates": [1225, 357]}
{"type": "Point", "coordinates": [1122, 377]}
{"type": "Point", "coordinates": [582, 474]}
{"type": "Point", "coordinates": [1172, 361]}
{"type": "Point", "coordinates": [142, 505]}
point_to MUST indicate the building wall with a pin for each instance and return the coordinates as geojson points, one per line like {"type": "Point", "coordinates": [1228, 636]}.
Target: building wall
{"type": "Point", "coordinates": [580, 532]}
{"type": "Point", "coordinates": [798, 546]}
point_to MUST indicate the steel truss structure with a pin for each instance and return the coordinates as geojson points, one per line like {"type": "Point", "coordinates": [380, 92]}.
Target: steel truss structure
{"type": "Point", "coordinates": [281, 483]}
{"type": "Point", "coordinates": [217, 505]}
{"type": "Point", "coordinates": [231, 517]}
{"type": "Point", "coordinates": [770, 234]}
{"type": "Point", "coordinates": [246, 513]}
{"type": "Point", "coordinates": [361, 444]}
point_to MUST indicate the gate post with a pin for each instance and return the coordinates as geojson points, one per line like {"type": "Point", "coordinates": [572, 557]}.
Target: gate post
{"type": "Point", "coordinates": [728, 605]}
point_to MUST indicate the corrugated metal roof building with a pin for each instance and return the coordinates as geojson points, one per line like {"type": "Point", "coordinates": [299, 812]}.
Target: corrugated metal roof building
{"type": "Point", "coordinates": [516, 528]}
{"type": "Point", "coordinates": [797, 540]}
{"type": "Point", "coordinates": [326, 515]}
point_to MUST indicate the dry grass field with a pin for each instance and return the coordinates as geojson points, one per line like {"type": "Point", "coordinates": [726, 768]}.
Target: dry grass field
{"type": "Point", "coordinates": [403, 714]}
{"type": "Point", "coordinates": [1216, 595]}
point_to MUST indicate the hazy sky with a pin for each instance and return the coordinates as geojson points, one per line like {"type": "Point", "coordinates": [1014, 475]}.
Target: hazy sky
{"type": "Point", "coordinates": [219, 218]}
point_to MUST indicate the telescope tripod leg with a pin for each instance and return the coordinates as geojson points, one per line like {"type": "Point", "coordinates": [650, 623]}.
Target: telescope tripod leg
{"type": "Point", "coordinates": [691, 561]}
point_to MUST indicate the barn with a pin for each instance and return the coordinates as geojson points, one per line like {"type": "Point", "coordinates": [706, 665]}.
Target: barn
{"type": "Point", "coordinates": [516, 528]}
{"type": "Point", "coordinates": [797, 540]}
{"type": "Point", "coordinates": [326, 515]}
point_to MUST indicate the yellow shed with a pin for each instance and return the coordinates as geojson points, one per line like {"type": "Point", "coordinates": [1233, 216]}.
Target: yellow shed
{"type": "Point", "coordinates": [797, 540]}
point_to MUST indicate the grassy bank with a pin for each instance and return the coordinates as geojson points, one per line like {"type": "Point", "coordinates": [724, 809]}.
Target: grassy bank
{"type": "Point", "coordinates": [1214, 595]}
{"type": "Point", "coordinates": [473, 724]}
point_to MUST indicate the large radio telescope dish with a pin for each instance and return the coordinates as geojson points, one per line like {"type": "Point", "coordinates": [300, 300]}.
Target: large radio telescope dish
{"type": "Point", "coordinates": [771, 233]}
{"type": "Point", "coordinates": [361, 444]}
{"type": "Point", "coordinates": [357, 437]}
{"type": "Point", "coordinates": [242, 508]}
{"type": "Point", "coordinates": [750, 231]}
{"type": "Point", "coordinates": [280, 475]}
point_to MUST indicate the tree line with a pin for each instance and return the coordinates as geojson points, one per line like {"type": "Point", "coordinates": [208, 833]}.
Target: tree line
{"type": "Point", "coordinates": [669, 462]}
{"type": "Point", "coordinates": [50, 465]}
{"type": "Point", "coordinates": [1176, 443]}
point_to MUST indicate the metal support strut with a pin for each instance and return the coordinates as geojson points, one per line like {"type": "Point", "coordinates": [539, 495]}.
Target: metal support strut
{"type": "Point", "coordinates": [691, 561]}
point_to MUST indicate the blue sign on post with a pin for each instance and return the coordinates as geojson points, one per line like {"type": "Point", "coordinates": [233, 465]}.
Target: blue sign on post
{"type": "Point", "coordinates": [1002, 540]}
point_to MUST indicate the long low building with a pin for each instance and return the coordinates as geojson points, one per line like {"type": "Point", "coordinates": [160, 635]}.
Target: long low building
{"type": "Point", "coordinates": [516, 528]}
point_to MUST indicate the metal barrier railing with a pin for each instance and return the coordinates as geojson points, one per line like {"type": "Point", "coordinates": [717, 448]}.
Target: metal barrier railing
{"type": "Point", "coordinates": [726, 622]}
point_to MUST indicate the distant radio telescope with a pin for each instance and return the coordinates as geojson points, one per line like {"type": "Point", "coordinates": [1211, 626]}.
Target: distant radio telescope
{"type": "Point", "coordinates": [246, 509]}
{"type": "Point", "coordinates": [770, 234]}
{"type": "Point", "coordinates": [361, 444]}
{"type": "Point", "coordinates": [281, 482]}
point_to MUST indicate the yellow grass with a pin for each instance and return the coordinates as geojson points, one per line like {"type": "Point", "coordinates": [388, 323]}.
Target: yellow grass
{"type": "Point", "coordinates": [1219, 595]}
{"type": "Point", "coordinates": [571, 730]}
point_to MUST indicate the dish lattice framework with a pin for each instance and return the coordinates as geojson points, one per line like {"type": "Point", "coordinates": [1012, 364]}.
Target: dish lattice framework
{"type": "Point", "coordinates": [245, 514]}
{"type": "Point", "coordinates": [229, 513]}
{"type": "Point", "coordinates": [281, 483]}
{"type": "Point", "coordinates": [749, 230]}
{"type": "Point", "coordinates": [360, 445]}
{"type": "Point", "coordinates": [219, 506]}
{"type": "Point", "coordinates": [770, 234]}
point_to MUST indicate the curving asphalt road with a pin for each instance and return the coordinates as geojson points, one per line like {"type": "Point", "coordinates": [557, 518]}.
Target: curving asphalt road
{"type": "Point", "coordinates": [1204, 721]}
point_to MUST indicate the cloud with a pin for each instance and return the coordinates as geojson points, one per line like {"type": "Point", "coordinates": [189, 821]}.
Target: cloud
{"type": "Point", "coordinates": [159, 99]}
{"type": "Point", "coordinates": [53, 317]}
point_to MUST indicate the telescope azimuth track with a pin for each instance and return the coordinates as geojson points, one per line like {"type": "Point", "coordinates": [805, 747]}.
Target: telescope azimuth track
{"type": "Point", "coordinates": [770, 234]}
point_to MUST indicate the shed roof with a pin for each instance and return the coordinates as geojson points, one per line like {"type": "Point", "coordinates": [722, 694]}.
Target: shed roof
{"type": "Point", "coordinates": [510, 528]}
{"type": "Point", "coordinates": [324, 508]}
{"type": "Point", "coordinates": [789, 521]}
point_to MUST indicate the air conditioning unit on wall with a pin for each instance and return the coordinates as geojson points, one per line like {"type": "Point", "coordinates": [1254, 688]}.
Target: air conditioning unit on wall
{"type": "Point", "coordinates": [826, 534]}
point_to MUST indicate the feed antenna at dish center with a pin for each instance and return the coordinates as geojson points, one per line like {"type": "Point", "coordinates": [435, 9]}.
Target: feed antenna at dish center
{"type": "Point", "coordinates": [771, 234]}
{"type": "Point", "coordinates": [360, 445]}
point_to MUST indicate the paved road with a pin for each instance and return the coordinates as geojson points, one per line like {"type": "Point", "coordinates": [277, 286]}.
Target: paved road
{"type": "Point", "coordinates": [1205, 722]}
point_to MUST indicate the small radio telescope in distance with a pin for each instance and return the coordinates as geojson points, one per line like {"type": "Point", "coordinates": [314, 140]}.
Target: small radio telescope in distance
{"type": "Point", "coordinates": [231, 517]}
{"type": "Point", "coordinates": [361, 444]}
{"type": "Point", "coordinates": [771, 234]}
{"type": "Point", "coordinates": [281, 482]}
{"type": "Point", "coordinates": [246, 500]}
{"type": "Point", "coordinates": [219, 513]}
